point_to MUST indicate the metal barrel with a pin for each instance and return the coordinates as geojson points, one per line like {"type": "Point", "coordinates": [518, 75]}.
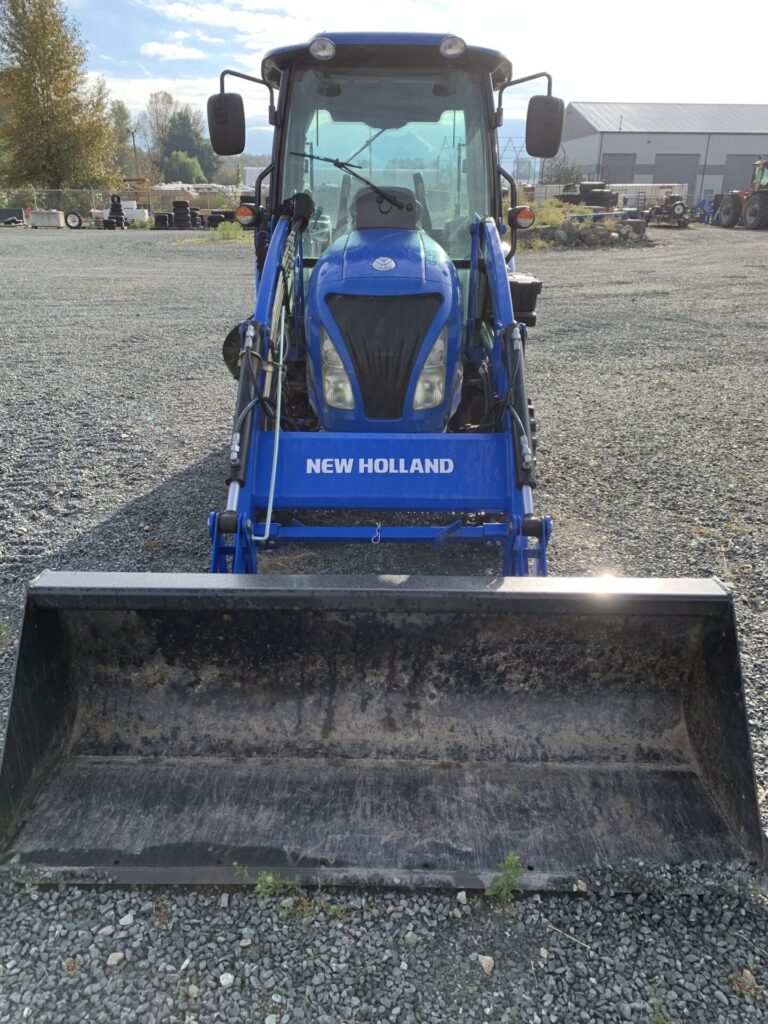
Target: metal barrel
{"type": "Point", "coordinates": [165, 728]}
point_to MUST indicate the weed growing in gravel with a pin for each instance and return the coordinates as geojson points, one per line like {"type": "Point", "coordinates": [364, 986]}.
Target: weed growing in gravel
{"type": "Point", "coordinates": [162, 913]}
{"type": "Point", "coordinates": [505, 885]}
{"type": "Point", "coordinates": [227, 231]}
{"type": "Point", "coordinates": [659, 1017]}
{"type": "Point", "coordinates": [745, 984]}
{"type": "Point", "coordinates": [268, 884]}
{"type": "Point", "coordinates": [297, 903]}
{"type": "Point", "coordinates": [535, 244]}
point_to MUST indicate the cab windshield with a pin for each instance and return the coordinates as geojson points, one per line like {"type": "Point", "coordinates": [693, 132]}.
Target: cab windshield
{"type": "Point", "coordinates": [420, 130]}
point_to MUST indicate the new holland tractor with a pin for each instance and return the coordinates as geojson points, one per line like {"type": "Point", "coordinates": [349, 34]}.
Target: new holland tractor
{"type": "Point", "coordinates": [396, 729]}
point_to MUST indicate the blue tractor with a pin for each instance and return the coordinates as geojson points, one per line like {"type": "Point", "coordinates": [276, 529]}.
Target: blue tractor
{"type": "Point", "coordinates": [377, 729]}
{"type": "Point", "coordinates": [390, 325]}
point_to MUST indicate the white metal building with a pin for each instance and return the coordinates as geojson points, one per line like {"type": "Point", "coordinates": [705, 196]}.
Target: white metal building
{"type": "Point", "coordinates": [709, 146]}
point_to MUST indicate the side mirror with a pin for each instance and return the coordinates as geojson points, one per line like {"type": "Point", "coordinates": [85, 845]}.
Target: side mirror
{"type": "Point", "coordinates": [226, 123]}
{"type": "Point", "coordinates": [544, 126]}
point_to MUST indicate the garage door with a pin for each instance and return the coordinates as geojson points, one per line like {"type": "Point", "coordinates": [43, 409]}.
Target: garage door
{"type": "Point", "coordinates": [677, 168]}
{"type": "Point", "coordinates": [738, 171]}
{"type": "Point", "coordinates": [618, 168]}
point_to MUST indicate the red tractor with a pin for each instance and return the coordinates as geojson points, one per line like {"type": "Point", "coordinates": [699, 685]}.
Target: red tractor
{"type": "Point", "coordinates": [748, 204]}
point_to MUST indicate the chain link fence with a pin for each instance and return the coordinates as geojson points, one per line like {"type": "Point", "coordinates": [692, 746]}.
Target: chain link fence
{"type": "Point", "coordinates": [91, 203]}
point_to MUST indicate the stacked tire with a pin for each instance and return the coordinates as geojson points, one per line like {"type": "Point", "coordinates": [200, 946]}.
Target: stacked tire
{"type": "Point", "coordinates": [116, 218]}
{"type": "Point", "coordinates": [182, 215]}
{"type": "Point", "coordinates": [161, 221]}
{"type": "Point", "coordinates": [215, 218]}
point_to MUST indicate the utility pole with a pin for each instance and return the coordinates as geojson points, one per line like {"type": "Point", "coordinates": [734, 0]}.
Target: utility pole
{"type": "Point", "coordinates": [135, 155]}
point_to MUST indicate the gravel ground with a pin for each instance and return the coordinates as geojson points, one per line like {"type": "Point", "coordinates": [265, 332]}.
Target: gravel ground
{"type": "Point", "coordinates": [649, 375]}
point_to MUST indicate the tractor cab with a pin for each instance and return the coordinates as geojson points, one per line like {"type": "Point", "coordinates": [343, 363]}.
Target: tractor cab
{"type": "Point", "coordinates": [760, 177]}
{"type": "Point", "coordinates": [391, 143]}
{"type": "Point", "coordinates": [407, 148]}
{"type": "Point", "coordinates": [361, 113]}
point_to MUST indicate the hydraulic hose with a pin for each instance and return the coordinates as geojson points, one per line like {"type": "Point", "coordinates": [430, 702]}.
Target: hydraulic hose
{"type": "Point", "coordinates": [516, 401]}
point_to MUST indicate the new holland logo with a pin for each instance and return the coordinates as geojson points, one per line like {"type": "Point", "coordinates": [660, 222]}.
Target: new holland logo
{"type": "Point", "coordinates": [383, 263]}
{"type": "Point", "coordinates": [379, 465]}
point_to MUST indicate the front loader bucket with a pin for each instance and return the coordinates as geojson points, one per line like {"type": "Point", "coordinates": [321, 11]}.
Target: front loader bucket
{"type": "Point", "coordinates": [164, 728]}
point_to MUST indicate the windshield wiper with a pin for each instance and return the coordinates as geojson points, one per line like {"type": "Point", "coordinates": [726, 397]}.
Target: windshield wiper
{"type": "Point", "coordinates": [344, 165]}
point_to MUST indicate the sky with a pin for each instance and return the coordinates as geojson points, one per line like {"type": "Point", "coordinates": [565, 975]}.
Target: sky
{"type": "Point", "coordinates": [649, 52]}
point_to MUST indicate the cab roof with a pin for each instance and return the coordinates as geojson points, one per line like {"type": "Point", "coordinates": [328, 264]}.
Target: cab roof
{"type": "Point", "coordinates": [387, 49]}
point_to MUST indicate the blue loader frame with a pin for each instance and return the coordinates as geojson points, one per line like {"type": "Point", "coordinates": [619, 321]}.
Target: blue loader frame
{"type": "Point", "coordinates": [279, 471]}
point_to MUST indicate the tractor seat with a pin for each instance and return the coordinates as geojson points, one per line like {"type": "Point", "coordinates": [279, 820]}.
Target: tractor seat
{"type": "Point", "coordinates": [369, 210]}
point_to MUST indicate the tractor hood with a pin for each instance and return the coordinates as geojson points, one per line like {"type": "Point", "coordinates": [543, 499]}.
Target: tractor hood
{"type": "Point", "coordinates": [382, 256]}
{"type": "Point", "coordinates": [383, 297]}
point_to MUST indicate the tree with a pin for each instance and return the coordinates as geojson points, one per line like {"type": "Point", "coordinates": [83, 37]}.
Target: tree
{"type": "Point", "coordinates": [183, 167]}
{"type": "Point", "coordinates": [121, 122]}
{"type": "Point", "coordinates": [559, 171]}
{"type": "Point", "coordinates": [185, 134]}
{"type": "Point", "coordinates": [56, 128]}
{"type": "Point", "coordinates": [153, 125]}
{"type": "Point", "coordinates": [168, 126]}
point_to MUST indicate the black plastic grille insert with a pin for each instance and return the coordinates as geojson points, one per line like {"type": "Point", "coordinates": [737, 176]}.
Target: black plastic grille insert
{"type": "Point", "coordinates": [383, 334]}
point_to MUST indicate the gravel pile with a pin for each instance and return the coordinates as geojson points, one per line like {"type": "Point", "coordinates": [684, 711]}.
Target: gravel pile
{"type": "Point", "coordinates": [649, 375]}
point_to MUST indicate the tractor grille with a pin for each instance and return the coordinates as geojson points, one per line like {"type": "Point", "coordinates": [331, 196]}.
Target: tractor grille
{"type": "Point", "coordinates": [383, 334]}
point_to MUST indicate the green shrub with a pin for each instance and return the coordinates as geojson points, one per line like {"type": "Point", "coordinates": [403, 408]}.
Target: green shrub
{"type": "Point", "coordinates": [228, 231]}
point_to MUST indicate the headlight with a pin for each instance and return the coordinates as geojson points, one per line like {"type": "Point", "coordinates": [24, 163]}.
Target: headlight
{"type": "Point", "coordinates": [452, 46]}
{"type": "Point", "coordinates": [337, 390]}
{"type": "Point", "coordinates": [430, 387]}
{"type": "Point", "coordinates": [322, 48]}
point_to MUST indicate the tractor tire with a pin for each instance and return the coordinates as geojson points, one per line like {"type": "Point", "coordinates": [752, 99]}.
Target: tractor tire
{"type": "Point", "coordinates": [73, 220]}
{"type": "Point", "coordinates": [730, 211]}
{"type": "Point", "coordinates": [756, 212]}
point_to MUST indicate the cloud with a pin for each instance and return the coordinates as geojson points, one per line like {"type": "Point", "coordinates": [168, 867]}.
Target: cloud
{"type": "Point", "coordinates": [195, 33]}
{"type": "Point", "coordinates": [172, 51]}
{"type": "Point", "coordinates": [216, 15]}
{"type": "Point", "coordinates": [135, 92]}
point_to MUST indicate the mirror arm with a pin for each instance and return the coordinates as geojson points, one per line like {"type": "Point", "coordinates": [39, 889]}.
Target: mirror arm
{"type": "Point", "coordinates": [519, 81]}
{"type": "Point", "coordinates": [512, 202]}
{"type": "Point", "coordinates": [258, 81]}
{"type": "Point", "coordinates": [257, 187]}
